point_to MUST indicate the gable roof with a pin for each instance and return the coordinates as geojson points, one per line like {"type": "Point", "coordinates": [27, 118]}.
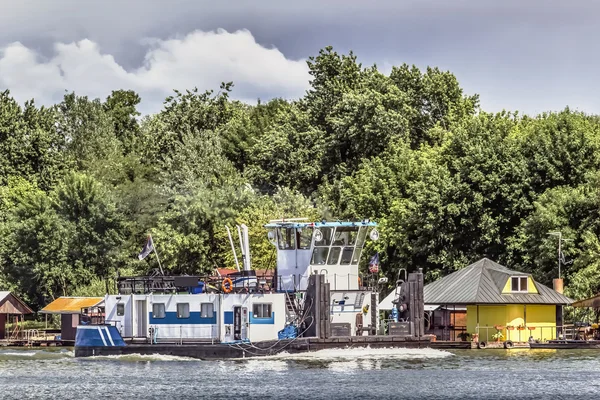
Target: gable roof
{"type": "Point", "coordinates": [482, 283]}
{"type": "Point", "coordinates": [11, 304]}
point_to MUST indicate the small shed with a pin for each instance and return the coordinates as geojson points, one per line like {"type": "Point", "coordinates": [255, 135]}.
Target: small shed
{"type": "Point", "coordinates": [11, 305]}
{"type": "Point", "coordinates": [69, 309]}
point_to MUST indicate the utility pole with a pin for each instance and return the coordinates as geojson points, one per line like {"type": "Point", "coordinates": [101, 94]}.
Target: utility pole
{"type": "Point", "coordinates": [560, 240]}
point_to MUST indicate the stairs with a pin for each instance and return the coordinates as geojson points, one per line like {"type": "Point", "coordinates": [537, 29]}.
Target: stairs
{"type": "Point", "coordinates": [292, 307]}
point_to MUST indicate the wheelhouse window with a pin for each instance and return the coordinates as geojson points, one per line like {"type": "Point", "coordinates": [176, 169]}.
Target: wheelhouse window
{"type": "Point", "coordinates": [120, 309]}
{"type": "Point", "coordinates": [304, 238]}
{"type": "Point", "coordinates": [261, 310]}
{"type": "Point", "coordinates": [518, 284]}
{"type": "Point", "coordinates": [319, 256]}
{"type": "Point", "coordinates": [287, 238]}
{"type": "Point", "coordinates": [158, 310]}
{"type": "Point", "coordinates": [207, 310]}
{"type": "Point", "coordinates": [183, 310]}
{"type": "Point", "coordinates": [334, 255]}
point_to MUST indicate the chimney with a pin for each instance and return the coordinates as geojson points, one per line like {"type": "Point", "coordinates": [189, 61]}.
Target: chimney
{"type": "Point", "coordinates": [558, 285]}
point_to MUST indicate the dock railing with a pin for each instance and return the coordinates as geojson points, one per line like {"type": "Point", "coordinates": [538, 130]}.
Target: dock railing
{"type": "Point", "coordinates": [541, 333]}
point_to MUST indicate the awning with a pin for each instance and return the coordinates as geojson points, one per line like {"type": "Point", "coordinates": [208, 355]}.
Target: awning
{"type": "Point", "coordinates": [71, 305]}
{"type": "Point", "coordinates": [592, 302]}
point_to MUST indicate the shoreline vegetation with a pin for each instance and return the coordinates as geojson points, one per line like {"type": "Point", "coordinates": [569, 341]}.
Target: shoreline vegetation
{"type": "Point", "coordinates": [83, 182]}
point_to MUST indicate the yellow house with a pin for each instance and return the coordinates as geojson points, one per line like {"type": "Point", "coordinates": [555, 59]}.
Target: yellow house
{"type": "Point", "coordinates": [499, 300]}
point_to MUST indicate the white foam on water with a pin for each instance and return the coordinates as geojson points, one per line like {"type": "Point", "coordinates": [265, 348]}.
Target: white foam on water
{"type": "Point", "coordinates": [35, 354]}
{"type": "Point", "coordinates": [141, 357]}
{"type": "Point", "coordinates": [364, 353]}
{"type": "Point", "coordinates": [255, 365]}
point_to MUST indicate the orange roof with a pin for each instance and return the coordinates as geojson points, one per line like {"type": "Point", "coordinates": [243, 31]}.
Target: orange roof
{"type": "Point", "coordinates": [71, 305]}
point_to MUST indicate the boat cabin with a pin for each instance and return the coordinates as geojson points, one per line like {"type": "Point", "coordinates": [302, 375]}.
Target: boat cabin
{"type": "Point", "coordinates": [329, 248]}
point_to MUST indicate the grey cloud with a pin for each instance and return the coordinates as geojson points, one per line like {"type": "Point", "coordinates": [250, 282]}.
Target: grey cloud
{"type": "Point", "coordinates": [528, 55]}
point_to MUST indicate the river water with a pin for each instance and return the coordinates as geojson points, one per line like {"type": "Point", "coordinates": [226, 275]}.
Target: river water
{"type": "Point", "coordinates": [328, 374]}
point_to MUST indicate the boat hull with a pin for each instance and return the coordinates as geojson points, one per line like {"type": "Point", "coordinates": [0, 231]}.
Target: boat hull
{"type": "Point", "coordinates": [259, 349]}
{"type": "Point", "coordinates": [567, 344]}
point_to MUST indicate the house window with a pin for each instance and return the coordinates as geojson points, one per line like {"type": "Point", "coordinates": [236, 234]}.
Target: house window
{"type": "Point", "coordinates": [120, 309]}
{"type": "Point", "coordinates": [158, 310]}
{"type": "Point", "coordinates": [207, 310]}
{"type": "Point", "coordinates": [183, 310]}
{"type": "Point", "coordinates": [261, 310]}
{"type": "Point", "coordinates": [518, 284]}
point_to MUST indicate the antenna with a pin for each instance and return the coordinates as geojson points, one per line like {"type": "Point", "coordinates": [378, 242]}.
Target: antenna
{"type": "Point", "coordinates": [237, 264]}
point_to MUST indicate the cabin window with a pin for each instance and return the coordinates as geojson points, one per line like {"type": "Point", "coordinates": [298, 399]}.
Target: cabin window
{"type": "Point", "coordinates": [183, 310]}
{"type": "Point", "coordinates": [261, 310]}
{"type": "Point", "coordinates": [518, 284]}
{"type": "Point", "coordinates": [326, 240]}
{"type": "Point", "coordinates": [362, 235]}
{"type": "Point", "coordinates": [207, 310]}
{"type": "Point", "coordinates": [287, 239]}
{"type": "Point", "coordinates": [347, 255]}
{"type": "Point", "coordinates": [319, 256]}
{"type": "Point", "coordinates": [345, 236]}
{"type": "Point", "coordinates": [304, 238]}
{"type": "Point", "coordinates": [158, 310]}
{"type": "Point", "coordinates": [120, 309]}
{"type": "Point", "coordinates": [334, 255]}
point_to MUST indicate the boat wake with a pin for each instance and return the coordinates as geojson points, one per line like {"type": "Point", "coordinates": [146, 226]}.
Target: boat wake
{"type": "Point", "coordinates": [361, 353]}
{"type": "Point", "coordinates": [22, 354]}
{"type": "Point", "coordinates": [140, 358]}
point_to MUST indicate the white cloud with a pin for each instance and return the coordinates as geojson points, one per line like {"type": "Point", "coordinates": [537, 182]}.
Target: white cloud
{"type": "Point", "coordinates": [199, 59]}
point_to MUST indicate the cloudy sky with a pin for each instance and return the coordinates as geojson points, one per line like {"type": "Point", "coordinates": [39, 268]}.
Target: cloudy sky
{"type": "Point", "coordinates": [532, 56]}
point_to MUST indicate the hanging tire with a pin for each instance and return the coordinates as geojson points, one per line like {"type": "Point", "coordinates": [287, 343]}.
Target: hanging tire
{"type": "Point", "coordinates": [481, 345]}
{"type": "Point", "coordinates": [508, 344]}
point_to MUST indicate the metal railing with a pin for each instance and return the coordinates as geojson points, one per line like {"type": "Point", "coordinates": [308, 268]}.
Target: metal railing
{"type": "Point", "coordinates": [525, 333]}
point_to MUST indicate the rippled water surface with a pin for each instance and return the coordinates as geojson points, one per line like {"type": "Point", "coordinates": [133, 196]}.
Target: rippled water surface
{"type": "Point", "coordinates": [331, 374]}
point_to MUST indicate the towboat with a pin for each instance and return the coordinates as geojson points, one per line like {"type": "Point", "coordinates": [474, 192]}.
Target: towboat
{"type": "Point", "coordinates": [314, 300]}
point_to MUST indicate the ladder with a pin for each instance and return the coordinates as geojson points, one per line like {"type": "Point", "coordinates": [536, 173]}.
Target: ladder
{"type": "Point", "coordinates": [292, 308]}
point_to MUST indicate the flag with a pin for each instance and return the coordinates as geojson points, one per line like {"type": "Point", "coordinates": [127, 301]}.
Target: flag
{"type": "Point", "coordinates": [374, 264]}
{"type": "Point", "coordinates": [148, 247]}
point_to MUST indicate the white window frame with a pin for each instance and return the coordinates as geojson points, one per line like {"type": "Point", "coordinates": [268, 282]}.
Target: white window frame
{"type": "Point", "coordinates": [269, 308]}
{"type": "Point", "coordinates": [155, 315]}
{"type": "Point", "coordinates": [185, 313]}
{"type": "Point", "coordinates": [206, 314]}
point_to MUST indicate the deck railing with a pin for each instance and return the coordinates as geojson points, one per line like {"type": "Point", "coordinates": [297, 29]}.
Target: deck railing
{"type": "Point", "coordinates": [537, 332]}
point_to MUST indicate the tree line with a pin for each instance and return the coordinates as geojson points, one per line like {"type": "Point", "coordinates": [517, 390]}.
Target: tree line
{"type": "Point", "coordinates": [83, 182]}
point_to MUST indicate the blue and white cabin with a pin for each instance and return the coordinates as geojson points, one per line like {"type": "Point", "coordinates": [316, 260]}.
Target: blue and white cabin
{"type": "Point", "coordinates": [195, 317]}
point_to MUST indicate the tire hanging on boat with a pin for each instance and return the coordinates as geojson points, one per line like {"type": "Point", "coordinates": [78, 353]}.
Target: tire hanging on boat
{"type": "Point", "coordinates": [227, 285]}
{"type": "Point", "coordinates": [481, 345]}
{"type": "Point", "coordinates": [508, 344]}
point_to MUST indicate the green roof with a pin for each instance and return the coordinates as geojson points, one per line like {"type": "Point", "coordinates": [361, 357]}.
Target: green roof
{"type": "Point", "coordinates": [482, 283]}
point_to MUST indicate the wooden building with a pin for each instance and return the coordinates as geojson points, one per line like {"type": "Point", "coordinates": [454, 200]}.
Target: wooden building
{"type": "Point", "coordinates": [12, 309]}
{"type": "Point", "coordinates": [501, 304]}
{"type": "Point", "coordinates": [69, 309]}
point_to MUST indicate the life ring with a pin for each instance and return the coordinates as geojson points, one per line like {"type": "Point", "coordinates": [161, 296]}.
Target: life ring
{"type": "Point", "coordinates": [481, 345]}
{"type": "Point", "coordinates": [227, 285]}
{"type": "Point", "coordinates": [508, 344]}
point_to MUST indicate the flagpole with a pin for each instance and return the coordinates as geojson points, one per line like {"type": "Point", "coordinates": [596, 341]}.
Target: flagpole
{"type": "Point", "coordinates": [157, 259]}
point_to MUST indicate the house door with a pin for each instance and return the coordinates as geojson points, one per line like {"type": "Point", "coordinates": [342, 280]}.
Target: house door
{"type": "Point", "coordinates": [240, 323]}
{"type": "Point", "coordinates": [142, 318]}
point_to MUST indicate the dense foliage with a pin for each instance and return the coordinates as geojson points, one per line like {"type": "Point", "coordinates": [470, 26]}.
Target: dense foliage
{"type": "Point", "coordinates": [82, 183]}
